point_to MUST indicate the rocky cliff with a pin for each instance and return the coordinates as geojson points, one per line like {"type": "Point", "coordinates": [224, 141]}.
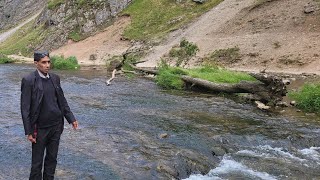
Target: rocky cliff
{"type": "Point", "coordinates": [14, 11]}
{"type": "Point", "coordinates": [77, 19]}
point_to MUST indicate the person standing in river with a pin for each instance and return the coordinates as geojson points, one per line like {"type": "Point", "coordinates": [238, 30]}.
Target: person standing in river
{"type": "Point", "coordinates": [43, 108]}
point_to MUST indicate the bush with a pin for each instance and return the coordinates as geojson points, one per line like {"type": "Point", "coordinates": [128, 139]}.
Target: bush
{"type": "Point", "coordinates": [5, 59]}
{"type": "Point", "coordinates": [75, 36]}
{"type": "Point", "coordinates": [169, 77]}
{"type": "Point", "coordinates": [308, 98]}
{"type": "Point", "coordinates": [184, 53]}
{"type": "Point", "coordinates": [59, 62]}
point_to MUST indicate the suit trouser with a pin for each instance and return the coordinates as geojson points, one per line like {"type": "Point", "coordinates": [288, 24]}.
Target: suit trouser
{"type": "Point", "coordinates": [47, 139]}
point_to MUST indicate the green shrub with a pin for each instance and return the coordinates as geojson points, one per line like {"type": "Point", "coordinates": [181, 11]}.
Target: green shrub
{"type": "Point", "coordinates": [169, 77]}
{"type": "Point", "coordinates": [184, 52]}
{"type": "Point", "coordinates": [59, 62]}
{"type": "Point", "coordinates": [308, 97]}
{"type": "Point", "coordinates": [52, 4]}
{"type": "Point", "coordinates": [5, 59]}
{"type": "Point", "coordinates": [75, 36]}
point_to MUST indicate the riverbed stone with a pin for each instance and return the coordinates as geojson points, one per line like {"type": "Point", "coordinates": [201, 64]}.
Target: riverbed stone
{"type": "Point", "coordinates": [293, 103]}
{"type": "Point", "coordinates": [218, 151]}
{"type": "Point", "coordinates": [164, 135]}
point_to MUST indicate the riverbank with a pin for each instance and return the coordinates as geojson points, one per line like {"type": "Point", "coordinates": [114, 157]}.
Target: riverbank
{"type": "Point", "coordinates": [123, 126]}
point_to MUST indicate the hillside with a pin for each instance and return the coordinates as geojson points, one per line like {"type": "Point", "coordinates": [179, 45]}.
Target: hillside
{"type": "Point", "coordinates": [276, 35]}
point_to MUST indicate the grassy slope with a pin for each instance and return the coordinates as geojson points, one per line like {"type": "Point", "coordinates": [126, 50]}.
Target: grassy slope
{"type": "Point", "coordinates": [24, 40]}
{"type": "Point", "coordinates": [155, 18]}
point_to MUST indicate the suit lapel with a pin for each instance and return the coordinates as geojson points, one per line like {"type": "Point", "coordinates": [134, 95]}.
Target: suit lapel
{"type": "Point", "coordinates": [38, 84]}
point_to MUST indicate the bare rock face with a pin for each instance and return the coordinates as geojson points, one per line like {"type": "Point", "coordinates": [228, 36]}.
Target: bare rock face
{"type": "Point", "coordinates": [12, 12]}
{"type": "Point", "coordinates": [71, 19]}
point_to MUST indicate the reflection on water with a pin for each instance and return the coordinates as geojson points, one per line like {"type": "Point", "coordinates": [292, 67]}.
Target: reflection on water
{"type": "Point", "coordinates": [120, 127]}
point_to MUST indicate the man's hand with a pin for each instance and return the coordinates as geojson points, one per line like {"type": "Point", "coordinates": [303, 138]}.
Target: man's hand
{"type": "Point", "coordinates": [75, 125]}
{"type": "Point", "coordinates": [31, 139]}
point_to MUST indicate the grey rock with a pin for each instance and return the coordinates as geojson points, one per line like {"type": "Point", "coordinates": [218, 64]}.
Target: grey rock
{"type": "Point", "coordinates": [164, 135]}
{"type": "Point", "coordinates": [218, 151]}
{"type": "Point", "coordinates": [282, 104]}
{"type": "Point", "coordinates": [102, 16]}
{"type": "Point", "coordinates": [310, 7]}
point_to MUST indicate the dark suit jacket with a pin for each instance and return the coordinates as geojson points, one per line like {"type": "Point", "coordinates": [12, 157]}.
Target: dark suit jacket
{"type": "Point", "coordinates": [31, 98]}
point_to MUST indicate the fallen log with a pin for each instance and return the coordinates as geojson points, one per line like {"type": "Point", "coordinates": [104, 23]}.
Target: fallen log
{"type": "Point", "coordinates": [148, 71]}
{"type": "Point", "coordinates": [268, 89]}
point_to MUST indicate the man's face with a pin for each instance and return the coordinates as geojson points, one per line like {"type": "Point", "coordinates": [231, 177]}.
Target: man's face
{"type": "Point", "coordinates": [43, 65]}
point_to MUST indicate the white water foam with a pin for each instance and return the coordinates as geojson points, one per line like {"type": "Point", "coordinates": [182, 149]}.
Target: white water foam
{"type": "Point", "coordinates": [267, 151]}
{"type": "Point", "coordinates": [312, 153]}
{"type": "Point", "coordinates": [228, 165]}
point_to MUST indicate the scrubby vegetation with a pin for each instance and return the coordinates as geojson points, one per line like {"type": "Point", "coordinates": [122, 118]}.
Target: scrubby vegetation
{"type": "Point", "coordinates": [226, 56]}
{"type": "Point", "coordinates": [5, 59]}
{"type": "Point", "coordinates": [155, 18]}
{"type": "Point", "coordinates": [184, 52]}
{"type": "Point", "coordinates": [75, 35]}
{"type": "Point", "coordinates": [59, 62]}
{"type": "Point", "coordinates": [52, 4]}
{"type": "Point", "coordinates": [307, 98]}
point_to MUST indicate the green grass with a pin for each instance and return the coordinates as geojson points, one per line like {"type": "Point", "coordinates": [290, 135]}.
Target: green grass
{"type": "Point", "coordinates": [155, 18]}
{"type": "Point", "coordinates": [219, 75]}
{"type": "Point", "coordinates": [59, 62]}
{"type": "Point", "coordinates": [169, 77]}
{"type": "Point", "coordinates": [5, 59]}
{"type": "Point", "coordinates": [24, 40]}
{"type": "Point", "coordinates": [307, 98]}
{"type": "Point", "coordinates": [52, 4]}
{"type": "Point", "coordinates": [75, 35]}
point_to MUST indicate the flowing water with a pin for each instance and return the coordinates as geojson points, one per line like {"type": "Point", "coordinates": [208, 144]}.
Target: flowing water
{"type": "Point", "coordinates": [134, 130]}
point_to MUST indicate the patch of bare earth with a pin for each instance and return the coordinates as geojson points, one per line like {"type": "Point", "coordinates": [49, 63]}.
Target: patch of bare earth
{"type": "Point", "coordinates": [276, 35]}
{"type": "Point", "coordinates": [95, 50]}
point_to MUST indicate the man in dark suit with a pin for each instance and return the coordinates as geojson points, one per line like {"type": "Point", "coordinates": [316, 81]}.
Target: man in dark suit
{"type": "Point", "coordinates": [43, 108]}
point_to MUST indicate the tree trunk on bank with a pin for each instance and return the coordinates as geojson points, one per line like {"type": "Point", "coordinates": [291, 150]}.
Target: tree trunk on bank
{"type": "Point", "coordinates": [269, 89]}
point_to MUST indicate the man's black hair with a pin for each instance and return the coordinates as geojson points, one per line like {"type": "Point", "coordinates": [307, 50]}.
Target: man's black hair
{"type": "Point", "coordinates": [40, 54]}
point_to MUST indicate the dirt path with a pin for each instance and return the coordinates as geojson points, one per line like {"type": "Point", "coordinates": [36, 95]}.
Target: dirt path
{"type": "Point", "coordinates": [8, 33]}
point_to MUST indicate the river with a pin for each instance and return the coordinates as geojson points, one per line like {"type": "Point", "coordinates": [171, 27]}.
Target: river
{"type": "Point", "coordinates": [135, 130]}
